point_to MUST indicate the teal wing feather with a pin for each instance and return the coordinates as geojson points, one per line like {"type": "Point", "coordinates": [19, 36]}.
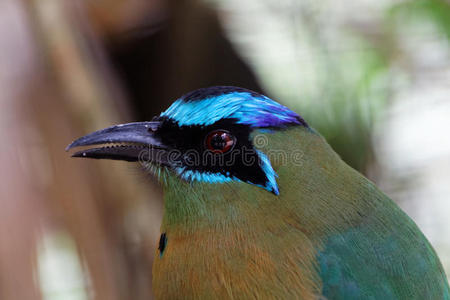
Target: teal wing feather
{"type": "Point", "coordinates": [385, 257]}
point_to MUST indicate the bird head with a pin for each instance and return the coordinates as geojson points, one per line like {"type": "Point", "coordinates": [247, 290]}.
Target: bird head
{"type": "Point", "coordinates": [212, 135]}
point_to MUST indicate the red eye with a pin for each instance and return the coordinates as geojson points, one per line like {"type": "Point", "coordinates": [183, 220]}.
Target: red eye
{"type": "Point", "coordinates": [220, 141]}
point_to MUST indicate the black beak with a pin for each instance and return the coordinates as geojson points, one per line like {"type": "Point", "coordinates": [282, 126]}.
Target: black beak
{"type": "Point", "coordinates": [129, 142]}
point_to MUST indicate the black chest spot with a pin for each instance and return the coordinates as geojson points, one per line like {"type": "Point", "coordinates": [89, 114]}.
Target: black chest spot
{"type": "Point", "coordinates": [162, 244]}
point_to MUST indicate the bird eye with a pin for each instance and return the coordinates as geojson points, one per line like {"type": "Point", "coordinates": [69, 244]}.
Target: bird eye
{"type": "Point", "coordinates": [220, 141]}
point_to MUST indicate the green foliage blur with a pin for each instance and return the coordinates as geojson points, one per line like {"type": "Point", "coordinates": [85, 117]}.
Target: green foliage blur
{"type": "Point", "coordinates": [345, 64]}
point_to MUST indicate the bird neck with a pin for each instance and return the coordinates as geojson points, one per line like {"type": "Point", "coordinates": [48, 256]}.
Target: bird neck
{"type": "Point", "coordinates": [227, 234]}
{"type": "Point", "coordinates": [318, 191]}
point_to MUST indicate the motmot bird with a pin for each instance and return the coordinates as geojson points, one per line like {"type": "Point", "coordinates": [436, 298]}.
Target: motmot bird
{"type": "Point", "coordinates": [257, 205]}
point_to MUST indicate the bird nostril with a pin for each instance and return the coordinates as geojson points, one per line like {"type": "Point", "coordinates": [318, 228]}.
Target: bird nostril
{"type": "Point", "coordinates": [152, 128]}
{"type": "Point", "coordinates": [153, 125]}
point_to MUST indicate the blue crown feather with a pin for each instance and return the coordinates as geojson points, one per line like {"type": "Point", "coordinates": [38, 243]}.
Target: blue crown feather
{"type": "Point", "coordinates": [246, 107]}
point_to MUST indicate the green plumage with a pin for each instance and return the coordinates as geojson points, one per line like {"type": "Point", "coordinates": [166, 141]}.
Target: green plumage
{"type": "Point", "coordinates": [386, 258]}
{"type": "Point", "coordinates": [330, 233]}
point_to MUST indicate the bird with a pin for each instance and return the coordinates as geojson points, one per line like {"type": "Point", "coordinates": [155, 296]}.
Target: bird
{"type": "Point", "coordinates": [257, 205]}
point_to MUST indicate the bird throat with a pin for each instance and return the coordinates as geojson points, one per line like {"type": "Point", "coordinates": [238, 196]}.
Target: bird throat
{"type": "Point", "coordinates": [221, 237]}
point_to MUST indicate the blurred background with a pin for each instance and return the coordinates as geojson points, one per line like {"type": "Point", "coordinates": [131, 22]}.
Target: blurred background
{"type": "Point", "coordinates": [372, 76]}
